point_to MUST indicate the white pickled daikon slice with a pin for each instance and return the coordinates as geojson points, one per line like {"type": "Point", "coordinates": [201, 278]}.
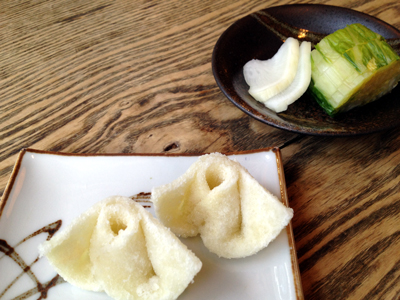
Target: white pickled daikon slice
{"type": "Point", "coordinates": [298, 87]}
{"type": "Point", "coordinates": [268, 78]}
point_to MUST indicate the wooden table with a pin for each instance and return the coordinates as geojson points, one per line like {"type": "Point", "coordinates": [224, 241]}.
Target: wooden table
{"type": "Point", "coordinates": [135, 76]}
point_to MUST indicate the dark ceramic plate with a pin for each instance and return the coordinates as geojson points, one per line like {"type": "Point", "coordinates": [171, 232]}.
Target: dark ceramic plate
{"type": "Point", "coordinates": [260, 35]}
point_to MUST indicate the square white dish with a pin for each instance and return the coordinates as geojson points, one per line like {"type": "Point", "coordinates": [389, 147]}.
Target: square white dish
{"type": "Point", "coordinates": [46, 187]}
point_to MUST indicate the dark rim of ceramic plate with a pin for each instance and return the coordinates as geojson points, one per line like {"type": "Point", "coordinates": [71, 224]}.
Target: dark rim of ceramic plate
{"type": "Point", "coordinates": [260, 34]}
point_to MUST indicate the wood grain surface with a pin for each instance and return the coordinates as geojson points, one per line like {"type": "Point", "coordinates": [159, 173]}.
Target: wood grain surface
{"type": "Point", "coordinates": [118, 76]}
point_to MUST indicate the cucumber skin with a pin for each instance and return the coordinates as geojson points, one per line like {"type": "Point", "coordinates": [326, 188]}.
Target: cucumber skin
{"type": "Point", "coordinates": [320, 98]}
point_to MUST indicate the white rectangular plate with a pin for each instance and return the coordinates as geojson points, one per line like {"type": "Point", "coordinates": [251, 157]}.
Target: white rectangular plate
{"type": "Point", "coordinates": [46, 187]}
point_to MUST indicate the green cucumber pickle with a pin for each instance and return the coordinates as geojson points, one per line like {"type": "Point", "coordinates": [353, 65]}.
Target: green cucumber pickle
{"type": "Point", "coordinates": [352, 67]}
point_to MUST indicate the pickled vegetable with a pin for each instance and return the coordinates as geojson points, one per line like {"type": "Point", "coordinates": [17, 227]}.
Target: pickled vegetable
{"type": "Point", "coordinates": [268, 78]}
{"type": "Point", "coordinates": [352, 67]}
{"type": "Point", "coordinates": [299, 85]}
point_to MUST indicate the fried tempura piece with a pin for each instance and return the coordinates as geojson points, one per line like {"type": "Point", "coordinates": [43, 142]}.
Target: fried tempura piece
{"type": "Point", "coordinates": [218, 199]}
{"type": "Point", "coordinates": [118, 247]}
